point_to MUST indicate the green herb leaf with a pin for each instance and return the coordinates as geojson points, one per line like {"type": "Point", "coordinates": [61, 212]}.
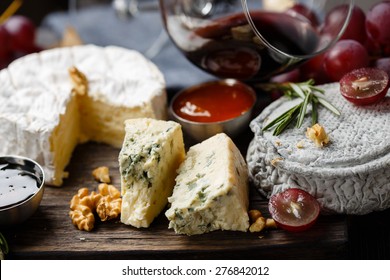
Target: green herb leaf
{"type": "Point", "coordinates": [3, 244]}
{"type": "Point", "coordinates": [328, 105]}
{"type": "Point", "coordinates": [309, 95]}
{"type": "Point", "coordinates": [302, 111]}
{"type": "Point", "coordinates": [280, 118]}
{"type": "Point", "coordinates": [314, 111]}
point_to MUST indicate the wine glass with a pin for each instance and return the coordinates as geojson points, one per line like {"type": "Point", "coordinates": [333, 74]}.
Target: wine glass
{"type": "Point", "coordinates": [90, 18]}
{"type": "Point", "coordinates": [127, 9]}
{"type": "Point", "coordinates": [252, 40]}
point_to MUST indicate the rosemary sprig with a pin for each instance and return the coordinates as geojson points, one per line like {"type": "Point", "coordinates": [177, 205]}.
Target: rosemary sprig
{"type": "Point", "coordinates": [3, 246]}
{"type": "Point", "coordinates": [309, 95]}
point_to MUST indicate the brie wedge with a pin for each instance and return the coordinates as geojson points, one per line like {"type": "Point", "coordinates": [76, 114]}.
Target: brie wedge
{"type": "Point", "coordinates": [41, 119]}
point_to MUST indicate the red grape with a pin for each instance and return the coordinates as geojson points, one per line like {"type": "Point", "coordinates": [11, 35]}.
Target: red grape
{"type": "Point", "coordinates": [22, 33]}
{"type": "Point", "coordinates": [302, 10]}
{"type": "Point", "coordinates": [292, 76]}
{"type": "Point", "coordinates": [378, 22]}
{"type": "Point", "coordinates": [294, 209]}
{"type": "Point", "coordinates": [343, 57]}
{"type": "Point", "coordinates": [372, 47]}
{"type": "Point", "coordinates": [356, 27]}
{"type": "Point", "coordinates": [314, 69]}
{"type": "Point", "coordinates": [4, 43]}
{"type": "Point", "coordinates": [383, 64]}
{"type": "Point", "coordinates": [365, 85]}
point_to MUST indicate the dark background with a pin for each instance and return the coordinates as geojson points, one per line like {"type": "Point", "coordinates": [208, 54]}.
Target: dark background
{"type": "Point", "coordinates": [36, 9]}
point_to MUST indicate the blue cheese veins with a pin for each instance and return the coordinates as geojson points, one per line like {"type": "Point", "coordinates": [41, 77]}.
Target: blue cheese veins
{"type": "Point", "coordinates": [211, 191]}
{"type": "Point", "coordinates": [151, 153]}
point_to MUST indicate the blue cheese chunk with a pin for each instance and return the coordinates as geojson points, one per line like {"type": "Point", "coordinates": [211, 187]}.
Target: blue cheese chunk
{"type": "Point", "coordinates": [211, 191]}
{"type": "Point", "coordinates": [151, 153]}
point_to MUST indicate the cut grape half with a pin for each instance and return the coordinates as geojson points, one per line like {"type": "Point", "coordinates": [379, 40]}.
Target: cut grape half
{"type": "Point", "coordinates": [365, 86]}
{"type": "Point", "coordinates": [294, 209]}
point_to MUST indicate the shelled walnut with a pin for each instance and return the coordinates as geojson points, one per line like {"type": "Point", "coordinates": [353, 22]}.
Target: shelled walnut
{"type": "Point", "coordinates": [82, 208]}
{"type": "Point", "coordinates": [109, 206]}
{"type": "Point", "coordinates": [106, 204]}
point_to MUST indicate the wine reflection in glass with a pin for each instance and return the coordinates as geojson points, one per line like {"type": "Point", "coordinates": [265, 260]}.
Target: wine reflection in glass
{"type": "Point", "coordinates": [252, 40]}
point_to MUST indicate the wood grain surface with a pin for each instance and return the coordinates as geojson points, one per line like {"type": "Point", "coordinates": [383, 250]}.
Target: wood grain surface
{"type": "Point", "coordinates": [49, 233]}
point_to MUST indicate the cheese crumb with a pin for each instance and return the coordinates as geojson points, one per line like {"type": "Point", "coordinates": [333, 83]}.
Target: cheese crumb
{"type": "Point", "coordinates": [275, 161]}
{"type": "Point", "coordinates": [317, 134]}
{"type": "Point", "coordinates": [300, 144]}
{"type": "Point", "coordinates": [102, 174]}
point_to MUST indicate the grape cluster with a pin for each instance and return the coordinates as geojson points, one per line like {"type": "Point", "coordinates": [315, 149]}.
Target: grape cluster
{"type": "Point", "coordinates": [17, 38]}
{"type": "Point", "coordinates": [365, 43]}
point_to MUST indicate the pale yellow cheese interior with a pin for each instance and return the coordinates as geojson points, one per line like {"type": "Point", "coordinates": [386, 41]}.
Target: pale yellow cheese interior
{"type": "Point", "coordinates": [151, 153]}
{"type": "Point", "coordinates": [64, 139]}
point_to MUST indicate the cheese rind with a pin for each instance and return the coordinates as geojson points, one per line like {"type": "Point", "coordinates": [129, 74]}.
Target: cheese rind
{"type": "Point", "coordinates": [151, 153]}
{"type": "Point", "coordinates": [351, 174]}
{"type": "Point", "coordinates": [42, 120]}
{"type": "Point", "coordinates": [211, 191]}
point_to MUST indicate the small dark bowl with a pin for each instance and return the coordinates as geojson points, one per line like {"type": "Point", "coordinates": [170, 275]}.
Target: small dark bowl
{"type": "Point", "coordinates": [19, 212]}
{"type": "Point", "coordinates": [200, 131]}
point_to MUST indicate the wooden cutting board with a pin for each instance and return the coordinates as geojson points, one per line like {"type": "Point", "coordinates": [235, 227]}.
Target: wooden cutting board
{"type": "Point", "coordinates": [49, 233]}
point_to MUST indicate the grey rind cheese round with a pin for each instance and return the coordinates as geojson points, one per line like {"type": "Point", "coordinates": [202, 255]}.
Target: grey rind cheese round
{"type": "Point", "coordinates": [350, 175]}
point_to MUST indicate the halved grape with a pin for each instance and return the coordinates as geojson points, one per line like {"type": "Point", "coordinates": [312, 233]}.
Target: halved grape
{"type": "Point", "coordinates": [343, 57]}
{"type": "Point", "coordinates": [365, 86]}
{"type": "Point", "coordinates": [294, 209]}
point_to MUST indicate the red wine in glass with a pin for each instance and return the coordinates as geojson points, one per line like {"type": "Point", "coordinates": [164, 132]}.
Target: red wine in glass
{"type": "Point", "coordinates": [228, 48]}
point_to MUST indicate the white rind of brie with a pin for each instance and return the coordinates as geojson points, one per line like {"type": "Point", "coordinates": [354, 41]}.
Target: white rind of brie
{"type": "Point", "coordinates": [350, 175]}
{"type": "Point", "coordinates": [42, 120]}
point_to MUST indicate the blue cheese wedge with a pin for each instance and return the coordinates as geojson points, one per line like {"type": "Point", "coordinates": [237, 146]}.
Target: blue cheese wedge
{"type": "Point", "coordinates": [211, 191]}
{"type": "Point", "coordinates": [151, 153]}
{"type": "Point", "coordinates": [350, 174]}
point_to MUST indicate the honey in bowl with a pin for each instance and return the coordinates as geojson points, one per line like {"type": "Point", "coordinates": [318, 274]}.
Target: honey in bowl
{"type": "Point", "coordinates": [214, 102]}
{"type": "Point", "coordinates": [17, 184]}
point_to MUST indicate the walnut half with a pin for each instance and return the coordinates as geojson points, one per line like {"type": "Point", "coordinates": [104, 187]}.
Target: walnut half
{"type": "Point", "coordinates": [79, 81]}
{"type": "Point", "coordinates": [317, 134]}
{"type": "Point", "coordinates": [109, 206]}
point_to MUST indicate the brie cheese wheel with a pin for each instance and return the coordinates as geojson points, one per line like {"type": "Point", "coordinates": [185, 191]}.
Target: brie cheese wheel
{"type": "Point", "coordinates": [151, 153]}
{"type": "Point", "coordinates": [351, 174]}
{"type": "Point", "coordinates": [211, 191]}
{"type": "Point", "coordinates": [41, 119]}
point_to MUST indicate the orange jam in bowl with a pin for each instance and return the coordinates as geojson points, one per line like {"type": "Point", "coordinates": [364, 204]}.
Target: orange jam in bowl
{"type": "Point", "coordinates": [213, 107]}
